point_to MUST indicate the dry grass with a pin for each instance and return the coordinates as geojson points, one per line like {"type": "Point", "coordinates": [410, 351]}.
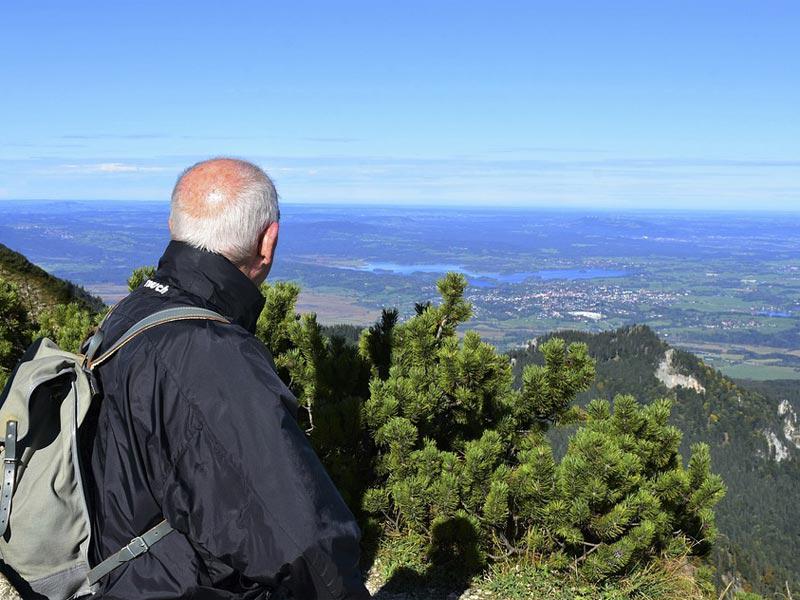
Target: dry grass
{"type": "Point", "coordinates": [7, 592]}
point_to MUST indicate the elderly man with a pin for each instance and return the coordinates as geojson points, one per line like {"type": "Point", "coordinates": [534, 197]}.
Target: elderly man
{"type": "Point", "coordinates": [196, 428]}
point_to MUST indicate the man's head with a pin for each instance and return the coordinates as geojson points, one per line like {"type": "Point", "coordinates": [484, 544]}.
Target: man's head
{"type": "Point", "coordinates": [230, 207]}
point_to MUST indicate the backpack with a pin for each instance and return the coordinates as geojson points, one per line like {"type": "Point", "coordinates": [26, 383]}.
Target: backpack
{"type": "Point", "coordinates": [45, 537]}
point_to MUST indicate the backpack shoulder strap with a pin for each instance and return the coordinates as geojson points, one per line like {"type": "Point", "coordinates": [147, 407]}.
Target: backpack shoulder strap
{"type": "Point", "coordinates": [180, 313]}
{"type": "Point", "coordinates": [140, 544]}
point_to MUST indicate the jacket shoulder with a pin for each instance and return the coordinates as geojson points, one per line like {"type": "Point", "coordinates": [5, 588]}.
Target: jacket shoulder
{"type": "Point", "coordinates": [213, 362]}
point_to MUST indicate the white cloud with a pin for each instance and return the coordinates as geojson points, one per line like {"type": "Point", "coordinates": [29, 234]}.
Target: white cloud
{"type": "Point", "coordinates": [112, 167]}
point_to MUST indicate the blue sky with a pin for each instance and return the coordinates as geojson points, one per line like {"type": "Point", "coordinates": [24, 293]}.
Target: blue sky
{"type": "Point", "coordinates": [641, 104]}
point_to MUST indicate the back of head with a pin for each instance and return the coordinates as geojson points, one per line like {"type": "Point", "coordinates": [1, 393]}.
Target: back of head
{"type": "Point", "coordinates": [223, 205]}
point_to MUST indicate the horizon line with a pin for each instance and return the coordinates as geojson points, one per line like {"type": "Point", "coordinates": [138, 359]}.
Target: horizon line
{"type": "Point", "coordinates": [442, 205]}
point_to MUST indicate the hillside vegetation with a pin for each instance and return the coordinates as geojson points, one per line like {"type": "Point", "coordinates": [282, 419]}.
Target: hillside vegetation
{"type": "Point", "coordinates": [759, 545]}
{"type": "Point", "coordinates": [38, 290]}
{"type": "Point", "coordinates": [463, 477]}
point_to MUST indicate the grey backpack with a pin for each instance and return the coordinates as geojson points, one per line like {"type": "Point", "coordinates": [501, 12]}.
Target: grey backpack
{"type": "Point", "coordinates": [45, 536]}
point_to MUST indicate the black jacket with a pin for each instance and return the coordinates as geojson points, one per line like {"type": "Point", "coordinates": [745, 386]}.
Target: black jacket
{"type": "Point", "coordinates": [195, 425]}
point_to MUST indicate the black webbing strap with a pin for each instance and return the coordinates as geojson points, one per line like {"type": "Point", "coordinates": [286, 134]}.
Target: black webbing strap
{"type": "Point", "coordinates": [9, 475]}
{"type": "Point", "coordinates": [136, 547]}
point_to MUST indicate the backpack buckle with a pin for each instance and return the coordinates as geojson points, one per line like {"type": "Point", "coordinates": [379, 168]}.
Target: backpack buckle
{"type": "Point", "coordinates": [11, 441]}
{"type": "Point", "coordinates": [137, 546]}
{"type": "Point", "coordinates": [134, 548]}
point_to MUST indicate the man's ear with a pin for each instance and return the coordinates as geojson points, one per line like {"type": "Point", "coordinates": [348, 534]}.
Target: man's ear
{"type": "Point", "coordinates": [269, 241]}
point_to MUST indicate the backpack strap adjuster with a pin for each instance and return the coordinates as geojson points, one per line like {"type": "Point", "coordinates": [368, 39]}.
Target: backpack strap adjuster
{"type": "Point", "coordinates": [9, 474]}
{"type": "Point", "coordinates": [134, 548]}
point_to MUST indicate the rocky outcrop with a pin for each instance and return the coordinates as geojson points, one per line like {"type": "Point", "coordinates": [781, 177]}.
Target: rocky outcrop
{"type": "Point", "coordinates": [791, 427]}
{"type": "Point", "coordinates": [669, 376]}
{"type": "Point", "coordinates": [777, 449]}
{"type": "Point", "coordinates": [782, 443]}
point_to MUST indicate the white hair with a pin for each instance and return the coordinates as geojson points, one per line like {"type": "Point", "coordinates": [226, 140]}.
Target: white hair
{"type": "Point", "coordinates": [226, 221]}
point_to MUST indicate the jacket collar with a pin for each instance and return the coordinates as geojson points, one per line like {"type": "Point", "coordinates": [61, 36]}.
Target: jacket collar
{"type": "Point", "coordinates": [215, 279]}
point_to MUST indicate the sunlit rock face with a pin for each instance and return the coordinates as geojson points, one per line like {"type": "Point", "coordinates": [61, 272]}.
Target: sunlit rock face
{"type": "Point", "coordinates": [669, 376]}
{"type": "Point", "coordinates": [781, 445]}
{"type": "Point", "coordinates": [777, 449]}
{"type": "Point", "coordinates": [791, 429]}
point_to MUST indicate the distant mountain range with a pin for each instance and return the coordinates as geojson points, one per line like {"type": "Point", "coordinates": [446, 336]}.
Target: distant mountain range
{"type": "Point", "coordinates": [753, 431]}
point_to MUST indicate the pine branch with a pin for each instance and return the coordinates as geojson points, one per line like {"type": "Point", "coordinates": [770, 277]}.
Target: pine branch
{"type": "Point", "coordinates": [586, 554]}
{"type": "Point", "coordinates": [441, 328]}
{"type": "Point", "coordinates": [510, 550]}
{"type": "Point", "coordinates": [310, 417]}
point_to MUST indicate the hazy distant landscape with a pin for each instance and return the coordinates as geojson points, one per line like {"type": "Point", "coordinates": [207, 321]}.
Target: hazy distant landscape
{"type": "Point", "coordinates": [724, 285]}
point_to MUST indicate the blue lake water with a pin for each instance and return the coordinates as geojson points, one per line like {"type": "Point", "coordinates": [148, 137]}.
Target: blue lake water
{"type": "Point", "coordinates": [774, 313]}
{"type": "Point", "coordinates": [489, 279]}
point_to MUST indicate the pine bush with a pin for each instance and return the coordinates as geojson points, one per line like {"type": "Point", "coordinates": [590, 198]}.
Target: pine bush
{"type": "Point", "coordinates": [463, 461]}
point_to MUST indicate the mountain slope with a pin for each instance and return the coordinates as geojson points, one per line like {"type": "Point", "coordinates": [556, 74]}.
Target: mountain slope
{"type": "Point", "coordinates": [746, 431]}
{"type": "Point", "coordinates": [39, 289]}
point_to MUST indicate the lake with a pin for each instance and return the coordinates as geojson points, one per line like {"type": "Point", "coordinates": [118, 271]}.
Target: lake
{"type": "Point", "coordinates": [487, 279]}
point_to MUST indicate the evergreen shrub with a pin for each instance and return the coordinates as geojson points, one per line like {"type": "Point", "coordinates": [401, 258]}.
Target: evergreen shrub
{"type": "Point", "coordinates": [434, 446]}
